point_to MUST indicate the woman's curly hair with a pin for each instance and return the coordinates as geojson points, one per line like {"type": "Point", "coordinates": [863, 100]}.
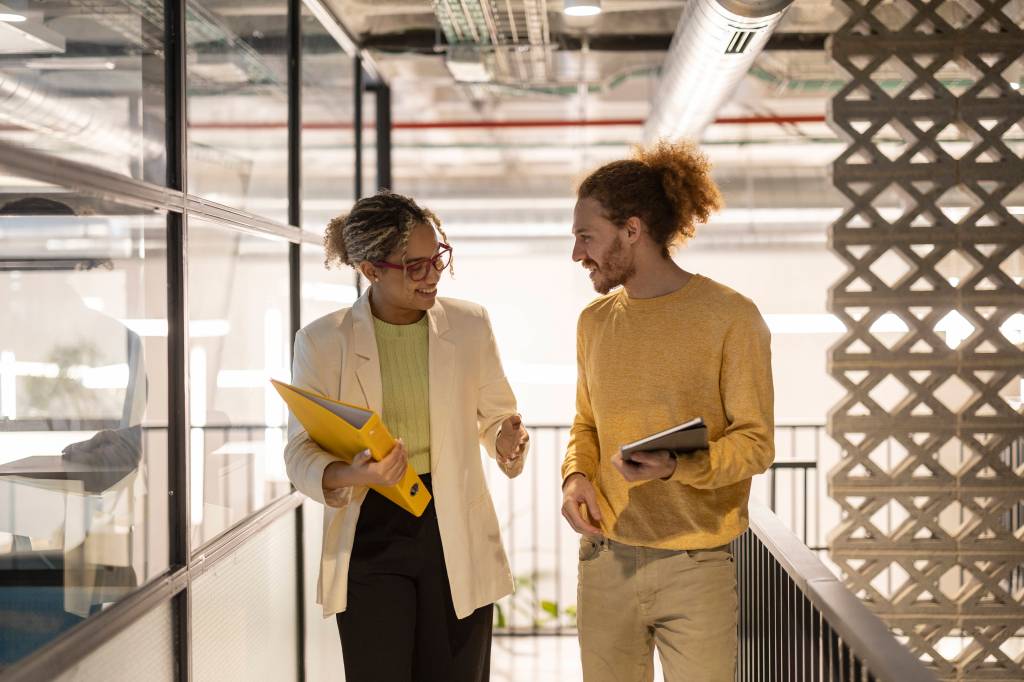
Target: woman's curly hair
{"type": "Point", "coordinates": [667, 185]}
{"type": "Point", "coordinates": [375, 227]}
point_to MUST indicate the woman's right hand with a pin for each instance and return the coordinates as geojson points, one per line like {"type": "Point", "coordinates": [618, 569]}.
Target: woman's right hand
{"type": "Point", "coordinates": [364, 470]}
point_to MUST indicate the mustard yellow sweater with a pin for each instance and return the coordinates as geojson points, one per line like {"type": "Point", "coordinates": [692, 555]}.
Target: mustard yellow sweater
{"type": "Point", "coordinates": [648, 364]}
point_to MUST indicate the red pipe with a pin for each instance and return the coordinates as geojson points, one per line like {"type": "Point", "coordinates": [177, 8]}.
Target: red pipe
{"type": "Point", "coordinates": [516, 123]}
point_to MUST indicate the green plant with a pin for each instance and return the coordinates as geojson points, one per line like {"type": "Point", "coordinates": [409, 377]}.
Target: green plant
{"type": "Point", "coordinates": [527, 605]}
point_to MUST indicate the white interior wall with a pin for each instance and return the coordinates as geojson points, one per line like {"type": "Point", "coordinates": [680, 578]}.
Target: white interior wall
{"type": "Point", "coordinates": [534, 294]}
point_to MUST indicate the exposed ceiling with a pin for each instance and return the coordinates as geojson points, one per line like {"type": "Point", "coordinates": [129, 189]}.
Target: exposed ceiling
{"type": "Point", "coordinates": [592, 82]}
{"type": "Point", "coordinates": [771, 147]}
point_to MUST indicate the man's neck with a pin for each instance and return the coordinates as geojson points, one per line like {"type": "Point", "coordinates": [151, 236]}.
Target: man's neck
{"type": "Point", "coordinates": [657, 276]}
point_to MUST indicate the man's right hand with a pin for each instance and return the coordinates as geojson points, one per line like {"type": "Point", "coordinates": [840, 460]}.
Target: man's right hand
{"type": "Point", "coordinates": [364, 470]}
{"type": "Point", "coordinates": [578, 494]}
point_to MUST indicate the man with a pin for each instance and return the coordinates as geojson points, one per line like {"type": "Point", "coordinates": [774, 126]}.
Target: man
{"type": "Point", "coordinates": [668, 346]}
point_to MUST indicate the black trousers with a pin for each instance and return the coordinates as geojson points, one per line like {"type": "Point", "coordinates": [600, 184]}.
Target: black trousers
{"type": "Point", "coordinates": [400, 624]}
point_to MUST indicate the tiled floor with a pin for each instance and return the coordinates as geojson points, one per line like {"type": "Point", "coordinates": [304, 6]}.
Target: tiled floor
{"type": "Point", "coordinates": [539, 659]}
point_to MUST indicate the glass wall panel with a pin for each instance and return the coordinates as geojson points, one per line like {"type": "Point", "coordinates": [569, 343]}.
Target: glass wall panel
{"type": "Point", "coordinates": [238, 105]}
{"type": "Point", "coordinates": [238, 329]}
{"type": "Point", "coordinates": [85, 81]}
{"type": "Point", "coordinates": [83, 408]}
{"type": "Point", "coordinates": [328, 185]}
{"type": "Point", "coordinates": [245, 616]}
{"type": "Point", "coordinates": [323, 290]}
{"type": "Point", "coordinates": [142, 651]}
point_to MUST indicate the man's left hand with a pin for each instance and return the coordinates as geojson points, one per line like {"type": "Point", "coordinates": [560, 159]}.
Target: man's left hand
{"type": "Point", "coordinates": [645, 466]}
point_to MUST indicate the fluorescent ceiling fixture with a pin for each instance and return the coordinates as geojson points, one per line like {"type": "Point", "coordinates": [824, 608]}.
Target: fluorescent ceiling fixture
{"type": "Point", "coordinates": [20, 36]}
{"type": "Point", "coordinates": [57, 64]}
{"type": "Point", "coordinates": [243, 447]}
{"type": "Point", "coordinates": [42, 370]}
{"type": "Point", "coordinates": [954, 325]}
{"type": "Point", "coordinates": [564, 205]}
{"type": "Point", "coordinates": [797, 323]}
{"type": "Point", "coordinates": [206, 328]}
{"type": "Point", "coordinates": [247, 378]}
{"type": "Point", "coordinates": [542, 374]}
{"type": "Point", "coordinates": [197, 329]}
{"type": "Point", "coordinates": [108, 376]}
{"type": "Point", "coordinates": [329, 293]}
{"type": "Point", "coordinates": [582, 8]}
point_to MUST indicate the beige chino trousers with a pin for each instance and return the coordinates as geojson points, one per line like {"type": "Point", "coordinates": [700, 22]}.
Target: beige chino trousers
{"type": "Point", "coordinates": [633, 599]}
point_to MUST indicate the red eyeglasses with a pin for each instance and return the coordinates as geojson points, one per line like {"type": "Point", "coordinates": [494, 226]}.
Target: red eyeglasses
{"type": "Point", "coordinates": [417, 269]}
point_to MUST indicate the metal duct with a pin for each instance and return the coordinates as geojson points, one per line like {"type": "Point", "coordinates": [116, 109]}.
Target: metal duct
{"type": "Point", "coordinates": [496, 40]}
{"type": "Point", "coordinates": [714, 45]}
{"type": "Point", "coordinates": [31, 106]}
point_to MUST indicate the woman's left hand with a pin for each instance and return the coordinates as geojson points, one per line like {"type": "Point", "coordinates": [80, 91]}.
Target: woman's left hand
{"type": "Point", "coordinates": [511, 445]}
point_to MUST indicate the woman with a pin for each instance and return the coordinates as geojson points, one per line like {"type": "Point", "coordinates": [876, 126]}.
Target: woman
{"type": "Point", "coordinates": [413, 596]}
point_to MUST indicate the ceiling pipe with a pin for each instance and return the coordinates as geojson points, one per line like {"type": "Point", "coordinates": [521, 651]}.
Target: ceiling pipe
{"type": "Point", "coordinates": [715, 43]}
{"type": "Point", "coordinates": [31, 106]}
{"type": "Point", "coordinates": [511, 123]}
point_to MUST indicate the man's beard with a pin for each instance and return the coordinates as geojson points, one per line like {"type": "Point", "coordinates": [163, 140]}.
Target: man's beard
{"type": "Point", "coordinates": [617, 268]}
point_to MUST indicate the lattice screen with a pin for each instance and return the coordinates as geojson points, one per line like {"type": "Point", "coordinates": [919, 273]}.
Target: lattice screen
{"type": "Point", "coordinates": [931, 481]}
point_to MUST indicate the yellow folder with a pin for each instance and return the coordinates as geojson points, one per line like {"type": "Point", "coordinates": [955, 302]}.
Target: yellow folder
{"type": "Point", "coordinates": [345, 430]}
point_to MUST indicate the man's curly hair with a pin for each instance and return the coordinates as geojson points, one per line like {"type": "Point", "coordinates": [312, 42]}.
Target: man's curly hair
{"type": "Point", "coordinates": [667, 185]}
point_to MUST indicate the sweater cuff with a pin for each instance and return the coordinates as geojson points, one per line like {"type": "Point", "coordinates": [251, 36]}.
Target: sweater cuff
{"type": "Point", "coordinates": [576, 469]}
{"type": "Point", "coordinates": [691, 467]}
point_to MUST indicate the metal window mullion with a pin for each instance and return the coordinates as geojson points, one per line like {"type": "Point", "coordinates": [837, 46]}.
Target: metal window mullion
{"type": "Point", "coordinates": [240, 220]}
{"type": "Point", "coordinates": [384, 180]}
{"type": "Point", "coordinates": [295, 282]}
{"type": "Point", "coordinates": [177, 322]}
{"type": "Point", "coordinates": [357, 125]}
{"type": "Point", "coordinates": [358, 88]}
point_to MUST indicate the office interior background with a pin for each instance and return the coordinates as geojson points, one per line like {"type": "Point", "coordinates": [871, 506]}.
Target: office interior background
{"type": "Point", "coordinates": [166, 173]}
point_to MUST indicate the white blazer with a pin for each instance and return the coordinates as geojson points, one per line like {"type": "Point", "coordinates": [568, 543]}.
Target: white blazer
{"type": "Point", "coordinates": [469, 398]}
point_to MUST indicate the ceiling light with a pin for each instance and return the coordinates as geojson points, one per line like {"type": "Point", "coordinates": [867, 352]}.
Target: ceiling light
{"type": "Point", "coordinates": [582, 8]}
{"type": "Point", "coordinates": [20, 36]}
{"type": "Point", "coordinates": [83, 64]}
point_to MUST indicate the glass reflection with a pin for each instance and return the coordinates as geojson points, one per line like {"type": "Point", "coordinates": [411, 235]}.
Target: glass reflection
{"type": "Point", "coordinates": [238, 329]}
{"type": "Point", "coordinates": [328, 185]}
{"type": "Point", "coordinates": [85, 81]}
{"type": "Point", "coordinates": [238, 105]}
{"type": "Point", "coordinates": [83, 443]}
{"type": "Point", "coordinates": [323, 291]}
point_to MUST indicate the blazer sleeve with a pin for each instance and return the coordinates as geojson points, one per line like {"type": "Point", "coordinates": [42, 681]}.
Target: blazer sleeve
{"type": "Point", "coordinates": [495, 400]}
{"type": "Point", "coordinates": [304, 460]}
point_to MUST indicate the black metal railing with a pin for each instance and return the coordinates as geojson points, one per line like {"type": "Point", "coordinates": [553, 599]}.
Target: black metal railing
{"type": "Point", "coordinates": [798, 623]}
{"type": "Point", "coordinates": [542, 548]}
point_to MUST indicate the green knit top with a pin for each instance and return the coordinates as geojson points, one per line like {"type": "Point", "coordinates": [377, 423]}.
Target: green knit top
{"type": "Point", "coordinates": [405, 380]}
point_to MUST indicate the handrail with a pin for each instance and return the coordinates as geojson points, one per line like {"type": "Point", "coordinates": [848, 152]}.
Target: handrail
{"type": "Point", "coordinates": [867, 637]}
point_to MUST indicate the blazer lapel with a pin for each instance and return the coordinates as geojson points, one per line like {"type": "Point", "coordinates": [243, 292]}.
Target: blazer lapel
{"type": "Point", "coordinates": [441, 361]}
{"type": "Point", "coordinates": [364, 350]}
